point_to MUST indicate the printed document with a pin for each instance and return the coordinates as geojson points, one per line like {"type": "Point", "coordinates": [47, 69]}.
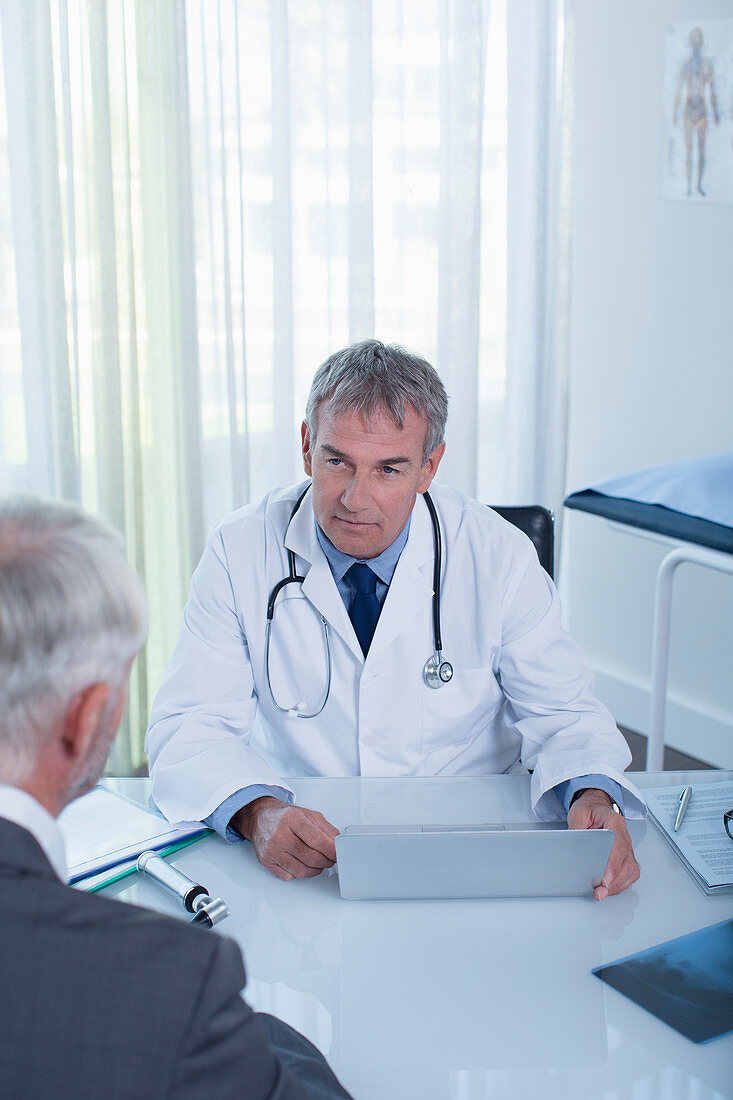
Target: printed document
{"type": "Point", "coordinates": [701, 839]}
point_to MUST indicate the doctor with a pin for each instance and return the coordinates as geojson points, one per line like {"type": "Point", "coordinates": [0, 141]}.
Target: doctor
{"type": "Point", "coordinates": [341, 687]}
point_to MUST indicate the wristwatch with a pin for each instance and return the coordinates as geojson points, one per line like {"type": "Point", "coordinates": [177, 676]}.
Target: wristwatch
{"type": "Point", "coordinates": [614, 805]}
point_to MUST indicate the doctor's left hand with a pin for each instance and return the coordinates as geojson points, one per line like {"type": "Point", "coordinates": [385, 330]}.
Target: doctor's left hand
{"type": "Point", "coordinates": [290, 841]}
{"type": "Point", "coordinates": [592, 810]}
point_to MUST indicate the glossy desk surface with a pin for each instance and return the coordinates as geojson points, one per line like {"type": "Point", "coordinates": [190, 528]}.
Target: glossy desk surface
{"type": "Point", "coordinates": [461, 999]}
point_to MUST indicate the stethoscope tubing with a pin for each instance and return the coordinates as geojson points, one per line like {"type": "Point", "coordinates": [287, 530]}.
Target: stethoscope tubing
{"type": "Point", "coordinates": [437, 569]}
{"type": "Point", "coordinates": [292, 574]}
{"type": "Point", "coordinates": [433, 678]}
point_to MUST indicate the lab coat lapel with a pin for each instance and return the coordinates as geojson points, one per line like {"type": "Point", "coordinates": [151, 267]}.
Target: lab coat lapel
{"type": "Point", "coordinates": [412, 583]}
{"type": "Point", "coordinates": [319, 586]}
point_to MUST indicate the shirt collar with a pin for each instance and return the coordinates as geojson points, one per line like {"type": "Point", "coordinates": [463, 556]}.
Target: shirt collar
{"type": "Point", "coordinates": [383, 565]}
{"type": "Point", "coordinates": [24, 810]}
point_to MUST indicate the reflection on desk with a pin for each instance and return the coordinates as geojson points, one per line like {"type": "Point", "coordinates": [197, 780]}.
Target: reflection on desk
{"type": "Point", "coordinates": [446, 948]}
{"type": "Point", "coordinates": [467, 999]}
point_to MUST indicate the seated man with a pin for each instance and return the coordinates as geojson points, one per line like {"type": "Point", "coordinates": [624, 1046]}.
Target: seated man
{"type": "Point", "coordinates": [101, 998]}
{"type": "Point", "coordinates": [304, 641]}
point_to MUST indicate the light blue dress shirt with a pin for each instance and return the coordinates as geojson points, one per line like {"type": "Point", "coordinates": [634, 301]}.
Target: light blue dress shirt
{"type": "Point", "coordinates": [383, 566]}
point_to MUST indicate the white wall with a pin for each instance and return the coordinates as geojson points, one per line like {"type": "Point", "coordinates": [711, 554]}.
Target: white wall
{"type": "Point", "coordinates": [651, 371]}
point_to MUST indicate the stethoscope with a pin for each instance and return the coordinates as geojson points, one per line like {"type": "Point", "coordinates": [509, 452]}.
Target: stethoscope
{"type": "Point", "coordinates": [436, 672]}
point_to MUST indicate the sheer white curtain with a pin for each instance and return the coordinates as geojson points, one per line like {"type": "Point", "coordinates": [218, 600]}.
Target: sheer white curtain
{"type": "Point", "coordinates": [538, 219]}
{"type": "Point", "coordinates": [201, 199]}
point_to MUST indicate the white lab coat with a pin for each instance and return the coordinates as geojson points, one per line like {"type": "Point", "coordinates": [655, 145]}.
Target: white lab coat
{"type": "Point", "coordinates": [520, 698]}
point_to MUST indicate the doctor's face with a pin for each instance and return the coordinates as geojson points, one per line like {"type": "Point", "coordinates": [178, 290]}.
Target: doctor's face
{"type": "Point", "coordinates": [366, 477]}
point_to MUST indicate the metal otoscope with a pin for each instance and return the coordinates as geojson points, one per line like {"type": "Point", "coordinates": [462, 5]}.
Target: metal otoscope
{"type": "Point", "coordinates": [196, 898]}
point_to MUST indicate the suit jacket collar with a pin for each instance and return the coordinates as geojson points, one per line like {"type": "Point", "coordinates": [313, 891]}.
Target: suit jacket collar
{"type": "Point", "coordinates": [23, 809]}
{"type": "Point", "coordinates": [20, 852]}
{"type": "Point", "coordinates": [411, 584]}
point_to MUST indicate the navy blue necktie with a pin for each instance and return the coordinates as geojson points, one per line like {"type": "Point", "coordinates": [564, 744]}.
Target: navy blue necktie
{"type": "Point", "coordinates": [365, 607]}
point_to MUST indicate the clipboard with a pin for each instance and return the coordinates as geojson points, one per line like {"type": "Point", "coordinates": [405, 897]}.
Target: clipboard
{"type": "Point", "coordinates": [104, 830]}
{"type": "Point", "coordinates": [701, 843]}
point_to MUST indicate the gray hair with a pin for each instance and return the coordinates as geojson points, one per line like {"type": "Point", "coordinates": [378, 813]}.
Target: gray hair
{"type": "Point", "coordinates": [371, 377]}
{"type": "Point", "coordinates": [72, 613]}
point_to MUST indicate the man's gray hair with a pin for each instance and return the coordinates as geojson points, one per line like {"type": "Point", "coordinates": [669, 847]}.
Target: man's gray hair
{"type": "Point", "coordinates": [371, 377]}
{"type": "Point", "coordinates": [72, 613]}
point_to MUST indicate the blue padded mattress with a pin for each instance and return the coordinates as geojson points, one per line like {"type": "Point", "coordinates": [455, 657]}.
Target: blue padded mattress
{"type": "Point", "coordinates": [691, 501]}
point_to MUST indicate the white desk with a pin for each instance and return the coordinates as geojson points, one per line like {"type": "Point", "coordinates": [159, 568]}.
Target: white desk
{"type": "Point", "coordinates": [464, 1000]}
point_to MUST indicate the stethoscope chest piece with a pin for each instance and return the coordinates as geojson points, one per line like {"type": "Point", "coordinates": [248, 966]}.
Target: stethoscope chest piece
{"type": "Point", "coordinates": [437, 671]}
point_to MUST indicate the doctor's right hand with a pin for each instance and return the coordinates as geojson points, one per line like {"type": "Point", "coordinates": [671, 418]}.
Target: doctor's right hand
{"type": "Point", "coordinates": [289, 841]}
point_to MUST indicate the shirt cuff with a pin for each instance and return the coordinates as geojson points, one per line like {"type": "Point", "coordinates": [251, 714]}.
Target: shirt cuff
{"type": "Point", "coordinates": [222, 815]}
{"type": "Point", "coordinates": [566, 790]}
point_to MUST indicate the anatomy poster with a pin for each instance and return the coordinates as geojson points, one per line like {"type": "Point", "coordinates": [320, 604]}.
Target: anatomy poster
{"type": "Point", "coordinates": [698, 112]}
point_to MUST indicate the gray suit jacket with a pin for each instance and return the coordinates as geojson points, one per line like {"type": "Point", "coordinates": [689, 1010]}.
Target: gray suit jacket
{"type": "Point", "coordinates": [103, 999]}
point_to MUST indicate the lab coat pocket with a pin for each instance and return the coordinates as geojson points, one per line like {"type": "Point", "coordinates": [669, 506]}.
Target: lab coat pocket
{"type": "Point", "coordinates": [457, 712]}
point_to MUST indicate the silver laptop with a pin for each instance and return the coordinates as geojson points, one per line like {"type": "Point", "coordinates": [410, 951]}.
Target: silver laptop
{"type": "Point", "coordinates": [530, 860]}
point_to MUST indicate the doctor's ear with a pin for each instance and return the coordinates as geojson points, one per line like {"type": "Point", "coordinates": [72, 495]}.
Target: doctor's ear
{"type": "Point", "coordinates": [430, 468]}
{"type": "Point", "coordinates": [305, 441]}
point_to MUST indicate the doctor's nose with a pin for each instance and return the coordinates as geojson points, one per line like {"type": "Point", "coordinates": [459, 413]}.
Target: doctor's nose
{"type": "Point", "coordinates": [355, 496]}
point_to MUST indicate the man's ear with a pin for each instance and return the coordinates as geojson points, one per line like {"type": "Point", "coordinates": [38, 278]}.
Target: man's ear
{"type": "Point", "coordinates": [305, 441]}
{"type": "Point", "coordinates": [430, 468]}
{"type": "Point", "coordinates": [84, 717]}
